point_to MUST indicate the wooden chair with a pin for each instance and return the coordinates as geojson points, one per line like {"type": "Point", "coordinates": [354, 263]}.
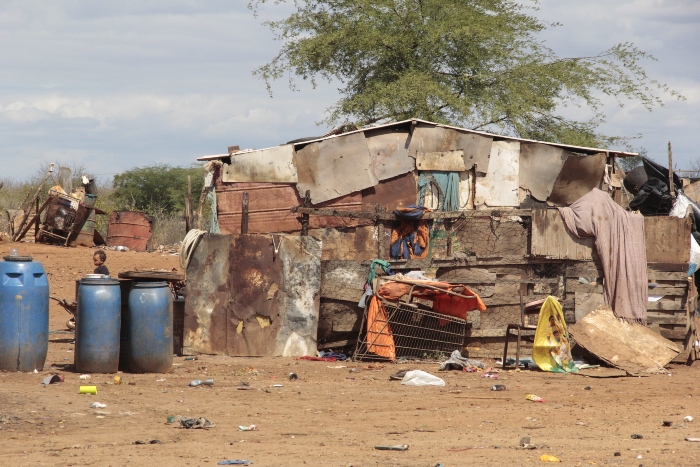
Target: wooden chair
{"type": "Point", "coordinates": [529, 315]}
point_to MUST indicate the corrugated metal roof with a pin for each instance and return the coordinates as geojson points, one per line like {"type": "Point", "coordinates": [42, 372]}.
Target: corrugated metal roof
{"type": "Point", "coordinates": [466, 130]}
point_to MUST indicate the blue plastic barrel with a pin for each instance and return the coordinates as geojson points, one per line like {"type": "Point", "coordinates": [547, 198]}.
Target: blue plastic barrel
{"type": "Point", "coordinates": [24, 314]}
{"type": "Point", "coordinates": [150, 328]}
{"type": "Point", "coordinates": [97, 326]}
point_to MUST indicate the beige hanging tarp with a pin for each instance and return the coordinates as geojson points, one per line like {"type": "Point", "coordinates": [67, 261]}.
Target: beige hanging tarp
{"type": "Point", "coordinates": [272, 165]}
{"type": "Point", "coordinates": [540, 165]}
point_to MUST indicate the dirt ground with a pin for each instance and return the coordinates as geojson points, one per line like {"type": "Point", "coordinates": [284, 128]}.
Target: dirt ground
{"type": "Point", "coordinates": [330, 416]}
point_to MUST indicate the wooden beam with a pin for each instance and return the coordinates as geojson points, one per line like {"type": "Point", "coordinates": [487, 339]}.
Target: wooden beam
{"type": "Point", "coordinates": [244, 213]}
{"type": "Point", "coordinates": [427, 216]}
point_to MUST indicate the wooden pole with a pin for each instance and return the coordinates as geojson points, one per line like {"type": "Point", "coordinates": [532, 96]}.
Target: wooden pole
{"type": "Point", "coordinates": [36, 225]}
{"type": "Point", "coordinates": [244, 213]}
{"type": "Point", "coordinates": [21, 225]}
{"type": "Point", "coordinates": [380, 233]}
{"type": "Point", "coordinates": [305, 216]}
{"type": "Point", "coordinates": [189, 216]}
{"type": "Point", "coordinates": [671, 186]}
{"type": "Point", "coordinates": [448, 232]}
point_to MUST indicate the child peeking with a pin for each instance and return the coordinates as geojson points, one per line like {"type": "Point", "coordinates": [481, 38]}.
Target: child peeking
{"type": "Point", "coordinates": [99, 258]}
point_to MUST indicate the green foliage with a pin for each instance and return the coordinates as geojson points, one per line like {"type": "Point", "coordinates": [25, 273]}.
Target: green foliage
{"type": "Point", "coordinates": [157, 188]}
{"type": "Point", "coordinates": [476, 64]}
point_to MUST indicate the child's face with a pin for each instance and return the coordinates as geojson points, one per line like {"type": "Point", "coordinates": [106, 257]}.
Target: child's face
{"type": "Point", "coordinates": [97, 261]}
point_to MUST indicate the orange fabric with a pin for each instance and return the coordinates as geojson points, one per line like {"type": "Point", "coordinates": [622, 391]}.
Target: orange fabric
{"type": "Point", "coordinates": [380, 339]}
{"type": "Point", "coordinates": [442, 302]}
{"type": "Point", "coordinates": [422, 237]}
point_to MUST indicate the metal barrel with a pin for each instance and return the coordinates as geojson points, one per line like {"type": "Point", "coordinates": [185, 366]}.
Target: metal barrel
{"type": "Point", "coordinates": [97, 326]}
{"type": "Point", "coordinates": [150, 328]}
{"type": "Point", "coordinates": [24, 314]}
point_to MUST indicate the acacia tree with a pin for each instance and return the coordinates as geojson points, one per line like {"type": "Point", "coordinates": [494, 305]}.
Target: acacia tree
{"type": "Point", "coordinates": [475, 63]}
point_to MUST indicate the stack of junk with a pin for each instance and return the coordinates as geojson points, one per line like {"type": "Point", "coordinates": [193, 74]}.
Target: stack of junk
{"type": "Point", "coordinates": [305, 235]}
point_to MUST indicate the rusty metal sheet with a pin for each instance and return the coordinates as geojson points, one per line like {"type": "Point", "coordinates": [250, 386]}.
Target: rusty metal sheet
{"type": "Point", "coordinates": [133, 230]}
{"type": "Point", "coordinates": [334, 167]}
{"type": "Point", "coordinates": [391, 194]}
{"type": "Point", "coordinates": [446, 161]}
{"type": "Point", "coordinates": [540, 165]}
{"type": "Point", "coordinates": [274, 165]}
{"type": "Point", "coordinates": [499, 187]}
{"type": "Point", "coordinates": [579, 176]}
{"type": "Point", "coordinates": [429, 138]}
{"type": "Point", "coordinates": [253, 295]}
{"type": "Point", "coordinates": [270, 208]}
{"type": "Point", "coordinates": [207, 298]}
{"type": "Point", "coordinates": [388, 149]}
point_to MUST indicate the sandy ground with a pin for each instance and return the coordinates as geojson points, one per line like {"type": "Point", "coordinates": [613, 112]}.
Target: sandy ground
{"type": "Point", "coordinates": [331, 416]}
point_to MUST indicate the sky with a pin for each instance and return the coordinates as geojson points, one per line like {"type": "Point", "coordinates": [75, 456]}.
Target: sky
{"type": "Point", "coordinates": [110, 86]}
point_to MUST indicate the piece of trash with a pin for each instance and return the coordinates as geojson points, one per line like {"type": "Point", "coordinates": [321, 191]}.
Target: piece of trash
{"type": "Point", "coordinates": [278, 385]}
{"type": "Point", "coordinates": [398, 447]}
{"type": "Point", "coordinates": [587, 388]}
{"type": "Point", "coordinates": [198, 382]}
{"type": "Point", "coordinates": [88, 390]}
{"type": "Point", "coordinates": [534, 398]}
{"type": "Point", "coordinates": [117, 380]}
{"type": "Point", "coordinates": [191, 358]}
{"type": "Point", "coordinates": [693, 440]}
{"type": "Point", "coordinates": [399, 375]}
{"type": "Point", "coordinates": [637, 437]}
{"type": "Point", "coordinates": [293, 377]}
{"type": "Point", "coordinates": [688, 419]}
{"type": "Point", "coordinates": [548, 458]}
{"type": "Point", "coordinates": [498, 387]}
{"type": "Point", "coordinates": [490, 374]}
{"type": "Point", "coordinates": [97, 405]}
{"type": "Point", "coordinates": [235, 462]}
{"type": "Point", "coordinates": [195, 423]}
{"type": "Point", "coordinates": [248, 428]}
{"type": "Point", "coordinates": [421, 378]}
{"type": "Point", "coordinates": [84, 376]}
{"type": "Point", "coordinates": [170, 419]}
{"type": "Point", "coordinates": [666, 423]}
{"type": "Point", "coordinates": [53, 379]}
{"type": "Point", "coordinates": [617, 454]}
{"type": "Point", "coordinates": [147, 441]}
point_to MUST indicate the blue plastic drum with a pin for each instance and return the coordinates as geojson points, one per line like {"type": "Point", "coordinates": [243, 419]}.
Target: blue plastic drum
{"type": "Point", "coordinates": [97, 326]}
{"type": "Point", "coordinates": [24, 314]}
{"type": "Point", "coordinates": [150, 328]}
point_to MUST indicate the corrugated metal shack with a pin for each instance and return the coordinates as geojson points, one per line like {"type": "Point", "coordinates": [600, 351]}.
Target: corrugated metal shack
{"type": "Point", "coordinates": [494, 228]}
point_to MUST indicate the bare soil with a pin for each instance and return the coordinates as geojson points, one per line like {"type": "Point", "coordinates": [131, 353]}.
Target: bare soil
{"type": "Point", "coordinates": [330, 416]}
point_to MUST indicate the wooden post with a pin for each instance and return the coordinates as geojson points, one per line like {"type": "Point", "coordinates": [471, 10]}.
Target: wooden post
{"type": "Point", "coordinates": [671, 186]}
{"type": "Point", "coordinates": [244, 213]}
{"type": "Point", "coordinates": [448, 232]}
{"type": "Point", "coordinates": [36, 225]}
{"type": "Point", "coordinates": [380, 233]}
{"type": "Point", "coordinates": [21, 226]}
{"type": "Point", "coordinates": [472, 188]}
{"type": "Point", "coordinates": [189, 217]}
{"type": "Point", "coordinates": [305, 217]}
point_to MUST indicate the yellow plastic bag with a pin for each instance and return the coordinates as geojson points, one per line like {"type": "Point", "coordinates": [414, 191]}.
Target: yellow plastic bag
{"type": "Point", "coordinates": [552, 350]}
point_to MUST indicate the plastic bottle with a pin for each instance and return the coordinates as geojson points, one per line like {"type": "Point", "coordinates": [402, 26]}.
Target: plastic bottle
{"type": "Point", "coordinates": [198, 382]}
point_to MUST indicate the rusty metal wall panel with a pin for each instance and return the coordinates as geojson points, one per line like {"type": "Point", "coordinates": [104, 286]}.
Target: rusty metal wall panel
{"type": "Point", "coordinates": [334, 167]}
{"type": "Point", "coordinates": [388, 149]}
{"type": "Point", "coordinates": [499, 187]}
{"type": "Point", "coordinates": [391, 194]}
{"type": "Point", "coordinates": [270, 208]}
{"type": "Point", "coordinates": [428, 138]}
{"type": "Point", "coordinates": [133, 230]}
{"type": "Point", "coordinates": [579, 176]}
{"type": "Point", "coordinates": [300, 296]}
{"type": "Point", "coordinates": [272, 165]}
{"type": "Point", "coordinates": [243, 299]}
{"type": "Point", "coordinates": [358, 244]}
{"type": "Point", "coordinates": [540, 165]}
{"type": "Point", "coordinates": [208, 295]}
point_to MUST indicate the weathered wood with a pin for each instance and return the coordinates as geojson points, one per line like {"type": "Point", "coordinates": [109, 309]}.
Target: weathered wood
{"type": "Point", "coordinates": [669, 267]}
{"type": "Point", "coordinates": [669, 291]}
{"type": "Point", "coordinates": [666, 276]}
{"type": "Point", "coordinates": [631, 347]}
{"type": "Point", "coordinates": [426, 216]}
{"type": "Point", "coordinates": [572, 285]}
{"type": "Point", "coordinates": [666, 305]}
{"type": "Point", "coordinates": [675, 335]}
{"type": "Point", "coordinates": [380, 232]}
{"type": "Point", "coordinates": [551, 238]}
{"type": "Point", "coordinates": [667, 239]}
{"type": "Point", "coordinates": [244, 213]}
{"type": "Point", "coordinates": [667, 318]}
